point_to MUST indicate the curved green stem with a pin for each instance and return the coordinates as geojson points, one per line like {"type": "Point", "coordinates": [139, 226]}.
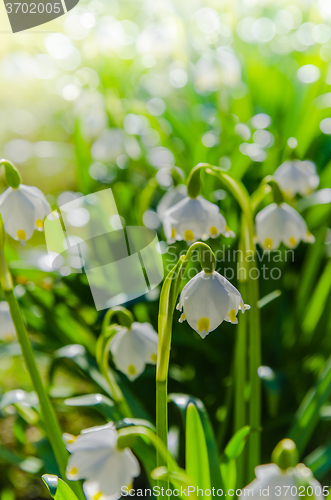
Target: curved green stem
{"type": "Point", "coordinates": [102, 354]}
{"type": "Point", "coordinates": [240, 357]}
{"type": "Point", "coordinates": [168, 297]}
{"type": "Point", "coordinates": [240, 193]}
{"type": "Point", "coordinates": [193, 181]}
{"type": "Point", "coordinates": [49, 418]}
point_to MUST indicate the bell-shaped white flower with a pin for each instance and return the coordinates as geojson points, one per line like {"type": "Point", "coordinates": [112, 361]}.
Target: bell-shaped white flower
{"type": "Point", "coordinates": [7, 328]}
{"type": "Point", "coordinates": [172, 196]}
{"type": "Point", "coordinates": [207, 300]}
{"type": "Point", "coordinates": [23, 210]}
{"type": "Point", "coordinates": [132, 348]}
{"type": "Point", "coordinates": [297, 177]}
{"type": "Point", "coordinates": [194, 219]}
{"type": "Point", "coordinates": [273, 482]}
{"type": "Point", "coordinates": [96, 458]}
{"type": "Point", "coordinates": [281, 223]}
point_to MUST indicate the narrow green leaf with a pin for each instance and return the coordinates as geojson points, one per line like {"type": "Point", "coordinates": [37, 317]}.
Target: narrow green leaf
{"type": "Point", "coordinates": [182, 401]}
{"type": "Point", "coordinates": [269, 298]}
{"type": "Point", "coordinates": [196, 453]}
{"type": "Point", "coordinates": [57, 488]}
{"type": "Point", "coordinates": [318, 301]}
{"type": "Point", "coordinates": [237, 443]}
{"type": "Point", "coordinates": [308, 414]}
{"type": "Point", "coordinates": [232, 451]}
{"type": "Point", "coordinates": [229, 474]}
{"type": "Point", "coordinates": [319, 461]}
{"type": "Point", "coordinates": [99, 402]}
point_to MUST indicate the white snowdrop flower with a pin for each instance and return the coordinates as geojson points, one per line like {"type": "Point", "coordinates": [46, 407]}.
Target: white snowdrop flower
{"type": "Point", "coordinates": [23, 210]}
{"type": "Point", "coordinates": [96, 458]}
{"type": "Point", "coordinates": [281, 223]}
{"type": "Point", "coordinates": [171, 197]}
{"type": "Point", "coordinates": [194, 219]}
{"type": "Point", "coordinates": [132, 348]}
{"type": "Point", "coordinates": [271, 478]}
{"type": "Point", "coordinates": [297, 177]}
{"type": "Point", "coordinates": [7, 328]}
{"type": "Point", "coordinates": [207, 300]}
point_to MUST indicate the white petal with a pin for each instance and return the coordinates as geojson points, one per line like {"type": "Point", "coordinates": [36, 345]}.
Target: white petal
{"type": "Point", "coordinates": [7, 328]}
{"type": "Point", "coordinates": [17, 212]}
{"type": "Point", "coordinates": [205, 303]}
{"type": "Point", "coordinates": [268, 224]}
{"type": "Point", "coordinates": [170, 199]}
{"type": "Point", "coordinates": [296, 177]}
{"type": "Point", "coordinates": [128, 351]}
{"type": "Point", "coordinates": [148, 336]}
{"type": "Point", "coordinates": [193, 219]}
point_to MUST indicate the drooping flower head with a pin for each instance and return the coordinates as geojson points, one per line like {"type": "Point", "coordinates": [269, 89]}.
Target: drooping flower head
{"type": "Point", "coordinates": [297, 177]}
{"type": "Point", "coordinates": [207, 300]}
{"type": "Point", "coordinates": [284, 475]}
{"type": "Point", "coordinates": [194, 219]}
{"type": "Point", "coordinates": [132, 348]}
{"type": "Point", "coordinates": [279, 481]}
{"type": "Point", "coordinates": [96, 458]}
{"type": "Point", "coordinates": [23, 210]}
{"type": "Point", "coordinates": [281, 223]}
{"type": "Point", "coordinates": [7, 328]}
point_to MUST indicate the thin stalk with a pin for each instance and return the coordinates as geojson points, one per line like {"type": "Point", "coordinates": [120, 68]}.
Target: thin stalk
{"type": "Point", "coordinates": [108, 331]}
{"type": "Point", "coordinates": [240, 363]}
{"type": "Point", "coordinates": [240, 193]}
{"type": "Point", "coordinates": [50, 421]}
{"type": "Point", "coordinates": [169, 293]}
{"type": "Point", "coordinates": [117, 394]}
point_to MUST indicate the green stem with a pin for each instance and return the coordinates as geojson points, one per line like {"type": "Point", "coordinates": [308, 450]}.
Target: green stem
{"type": "Point", "coordinates": [169, 293]}
{"type": "Point", "coordinates": [102, 355]}
{"type": "Point", "coordinates": [240, 193]}
{"type": "Point", "coordinates": [50, 421]}
{"type": "Point", "coordinates": [241, 358]}
{"type": "Point", "coordinates": [161, 415]}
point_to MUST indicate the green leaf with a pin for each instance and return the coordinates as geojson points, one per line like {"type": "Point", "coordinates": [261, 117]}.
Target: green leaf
{"type": "Point", "coordinates": [99, 402]}
{"type": "Point", "coordinates": [319, 461]}
{"type": "Point", "coordinates": [308, 414]}
{"type": "Point", "coordinates": [237, 443]}
{"type": "Point", "coordinates": [182, 401]}
{"type": "Point", "coordinates": [57, 488]}
{"type": "Point", "coordinates": [78, 355]}
{"type": "Point", "coordinates": [196, 453]}
{"type": "Point", "coordinates": [318, 301]}
{"type": "Point", "coordinates": [232, 451]}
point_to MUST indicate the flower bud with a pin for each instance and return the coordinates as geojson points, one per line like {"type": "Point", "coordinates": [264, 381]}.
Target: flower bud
{"type": "Point", "coordinates": [12, 176]}
{"type": "Point", "coordinates": [285, 455]}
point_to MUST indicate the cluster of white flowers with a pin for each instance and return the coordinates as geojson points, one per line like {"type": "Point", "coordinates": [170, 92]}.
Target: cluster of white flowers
{"type": "Point", "coordinates": [96, 458]}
